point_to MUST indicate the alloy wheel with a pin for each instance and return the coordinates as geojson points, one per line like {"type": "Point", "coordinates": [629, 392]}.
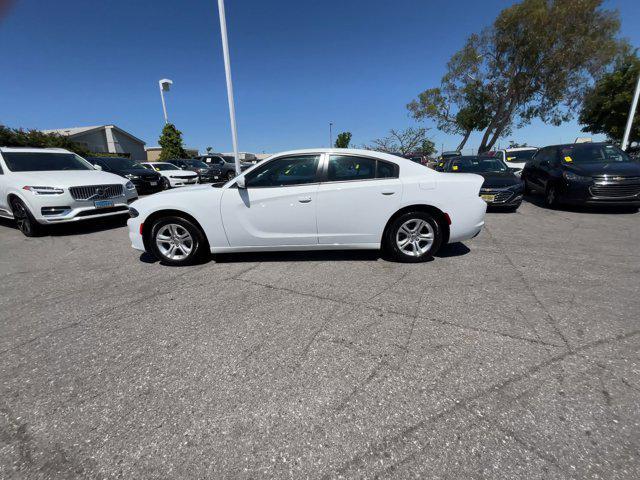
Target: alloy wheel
{"type": "Point", "coordinates": [22, 218]}
{"type": "Point", "coordinates": [415, 237]}
{"type": "Point", "coordinates": [174, 241]}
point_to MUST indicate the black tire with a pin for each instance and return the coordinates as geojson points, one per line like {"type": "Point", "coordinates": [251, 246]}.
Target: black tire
{"type": "Point", "coordinates": [231, 175]}
{"type": "Point", "coordinates": [198, 242]}
{"type": "Point", "coordinates": [551, 196]}
{"type": "Point", "coordinates": [394, 236]}
{"type": "Point", "coordinates": [27, 224]}
{"type": "Point", "coordinates": [165, 184]}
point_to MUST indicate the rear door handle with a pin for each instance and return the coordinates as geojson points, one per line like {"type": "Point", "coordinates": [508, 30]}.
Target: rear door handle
{"type": "Point", "coordinates": [304, 199]}
{"type": "Point", "coordinates": [388, 192]}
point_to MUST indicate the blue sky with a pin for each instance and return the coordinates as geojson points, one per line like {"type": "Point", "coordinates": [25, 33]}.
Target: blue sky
{"type": "Point", "coordinates": [297, 65]}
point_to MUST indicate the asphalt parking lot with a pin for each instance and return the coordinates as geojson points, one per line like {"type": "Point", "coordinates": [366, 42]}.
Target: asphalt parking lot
{"type": "Point", "coordinates": [515, 355]}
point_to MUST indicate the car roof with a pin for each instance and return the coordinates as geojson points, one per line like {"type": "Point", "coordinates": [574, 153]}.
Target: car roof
{"type": "Point", "coordinates": [520, 149]}
{"type": "Point", "coordinates": [570, 145]}
{"type": "Point", "coordinates": [34, 150]}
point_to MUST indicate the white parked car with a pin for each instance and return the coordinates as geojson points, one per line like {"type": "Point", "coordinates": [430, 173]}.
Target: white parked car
{"type": "Point", "coordinates": [40, 186]}
{"type": "Point", "coordinates": [172, 176]}
{"type": "Point", "coordinates": [516, 158]}
{"type": "Point", "coordinates": [320, 199]}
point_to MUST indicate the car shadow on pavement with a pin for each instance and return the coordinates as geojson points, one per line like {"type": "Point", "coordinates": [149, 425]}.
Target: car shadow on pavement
{"type": "Point", "coordinates": [538, 201]}
{"type": "Point", "coordinates": [75, 228]}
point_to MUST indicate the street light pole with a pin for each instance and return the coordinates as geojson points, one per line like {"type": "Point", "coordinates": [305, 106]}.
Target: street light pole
{"type": "Point", "coordinates": [164, 85]}
{"type": "Point", "coordinates": [632, 112]}
{"type": "Point", "coordinates": [227, 70]}
{"type": "Point", "coordinates": [330, 134]}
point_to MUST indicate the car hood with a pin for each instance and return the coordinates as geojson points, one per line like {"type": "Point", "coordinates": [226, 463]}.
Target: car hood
{"type": "Point", "coordinates": [180, 198]}
{"type": "Point", "coordinates": [499, 179]}
{"type": "Point", "coordinates": [140, 172]}
{"type": "Point", "coordinates": [626, 169]}
{"type": "Point", "coordinates": [66, 178]}
{"type": "Point", "coordinates": [186, 173]}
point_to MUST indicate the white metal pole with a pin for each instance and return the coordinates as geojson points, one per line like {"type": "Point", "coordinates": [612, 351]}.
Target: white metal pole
{"type": "Point", "coordinates": [164, 107]}
{"type": "Point", "coordinates": [330, 134]}
{"type": "Point", "coordinates": [227, 69]}
{"type": "Point", "coordinates": [632, 112]}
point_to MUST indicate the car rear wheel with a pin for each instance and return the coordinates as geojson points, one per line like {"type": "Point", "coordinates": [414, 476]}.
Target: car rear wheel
{"type": "Point", "coordinates": [551, 196]}
{"type": "Point", "coordinates": [413, 237]}
{"type": "Point", "coordinates": [27, 224]}
{"type": "Point", "coordinates": [177, 241]}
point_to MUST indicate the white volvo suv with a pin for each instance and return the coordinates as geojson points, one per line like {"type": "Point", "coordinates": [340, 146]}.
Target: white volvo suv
{"type": "Point", "coordinates": [40, 186]}
{"type": "Point", "coordinates": [314, 200]}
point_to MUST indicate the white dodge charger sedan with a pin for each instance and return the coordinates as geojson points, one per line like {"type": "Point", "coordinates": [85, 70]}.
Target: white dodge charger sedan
{"type": "Point", "coordinates": [172, 176]}
{"type": "Point", "coordinates": [318, 199]}
{"type": "Point", "coordinates": [40, 186]}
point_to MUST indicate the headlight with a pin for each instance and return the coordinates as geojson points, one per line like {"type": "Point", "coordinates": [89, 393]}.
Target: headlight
{"type": "Point", "coordinates": [130, 186]}
{"type": "Point", "coordinates": [574, 177]}
{"type": "Point", "coordinates": [43, 190]}
{"type": "Point", "coordinates": [132, 177]}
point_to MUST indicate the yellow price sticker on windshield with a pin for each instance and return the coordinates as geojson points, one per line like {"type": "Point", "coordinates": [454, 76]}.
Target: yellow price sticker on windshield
{"type": "Point", "coordinates": [455, 167]}
{"type": "Point", "coordinates": [510, 158]}
{"type": "Point", "coordinates": [568, 159]}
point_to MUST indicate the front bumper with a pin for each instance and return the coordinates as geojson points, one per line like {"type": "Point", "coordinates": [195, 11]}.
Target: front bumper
{"type": "Point", "coordinates": [146, 186]}
{"type": "Point", "coordinates": [51, 209]}
{"type": "Point", "coordinates": [181, 182]}
{"type": "Point", "coordinates": [502, 197]}
{"type": "Point", "coordinates": [615, 194]}
{"type": "Point", "coordinates": [210, 177]}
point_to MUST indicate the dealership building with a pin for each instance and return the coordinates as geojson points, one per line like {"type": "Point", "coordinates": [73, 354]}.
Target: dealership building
{"type": "Point", "coordinates": [106, 139]}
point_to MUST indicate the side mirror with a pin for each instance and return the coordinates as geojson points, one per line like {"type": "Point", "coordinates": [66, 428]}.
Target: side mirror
{"type": "Point", "coordinates": [97, 167]}
{"type": "Point", "coordinates": [240, 182]}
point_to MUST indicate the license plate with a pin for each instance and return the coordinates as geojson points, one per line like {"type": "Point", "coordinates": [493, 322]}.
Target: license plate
{"type": "Point", "coordinates": [488, 198]}
{"type": "Point", "coordinates": [153, 184]}
{"type": "Point", "coordinates": [103, 203]}
{"type": "Point", "coordinates": [216, 177]}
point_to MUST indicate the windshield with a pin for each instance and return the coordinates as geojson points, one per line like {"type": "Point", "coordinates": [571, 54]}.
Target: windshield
{"type": "Point", "coordinates": [591, 153]}
{"type": "Point", "coordinates": [520, 155]}
{"type": "Point", "coordinates": [45, 161]}
{"type": "Point", "coordinates": [476, 165]}
{"type": "Point", "coordinates": [197, 164]}
{"type": "Point", "coordinates": [118, 163]}
{"type": "Point", "coordinates": [163, 166]}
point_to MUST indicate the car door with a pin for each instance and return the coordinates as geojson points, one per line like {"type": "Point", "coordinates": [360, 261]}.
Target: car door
{"type": "Point", "coordinates": [277, 207]}
{"type": "Point", "coordinates": [356, 198]}
{"type": "Point", "coordinates": [4, 186]}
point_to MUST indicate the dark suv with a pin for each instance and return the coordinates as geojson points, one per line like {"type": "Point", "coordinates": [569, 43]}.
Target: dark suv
{"type": "Point", "coordinates": [206, 173]}
{"type": "Point", "coordinates": [584, 174]}
{"type": "Point", "coordinates": [144, 180]}
{"type": "Point", "coordinates": [225, 163]}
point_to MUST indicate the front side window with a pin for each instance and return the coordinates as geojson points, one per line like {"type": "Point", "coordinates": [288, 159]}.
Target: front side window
{"type": "Point", "coordinates": [285, 171]}
{"type": "Point", "coordinates": [42, 162]}
{"type": "Point", "coordinates": [345, 167]}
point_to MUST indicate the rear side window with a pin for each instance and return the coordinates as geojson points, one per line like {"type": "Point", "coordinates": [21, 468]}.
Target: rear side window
{"type": "Point", "coordinates": [343, 168]}
{"type": "Point", "coordinates": [346, 167]}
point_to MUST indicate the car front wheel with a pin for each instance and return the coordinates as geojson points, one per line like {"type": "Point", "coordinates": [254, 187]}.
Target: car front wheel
{"type": "Point", "coordinates": [176, 241]}
{"type": "Point", "coordinates": [551, 197]}
{"type": "Point", "coordinates": [413, 237]}
{"type": "Point", "coordinates": [27, 224]}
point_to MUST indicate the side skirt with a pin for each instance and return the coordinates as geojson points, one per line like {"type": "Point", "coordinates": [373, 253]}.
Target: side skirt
{"type": "Point", "coordinates": [289, 248]}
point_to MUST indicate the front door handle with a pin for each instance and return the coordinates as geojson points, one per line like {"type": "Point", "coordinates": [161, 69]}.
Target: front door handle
{"type": "Point", "coordinates": [388, 192]}
{"type": "Point", "coordinates": [304, 199]}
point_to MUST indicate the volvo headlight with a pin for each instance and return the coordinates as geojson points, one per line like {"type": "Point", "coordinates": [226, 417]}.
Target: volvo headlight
{"type": "Point", "coordinates": [130, 186]}
{"type": "Point", "coordinates": [574, 177]}
{"type": "Point", "coordinates": [38, 190]}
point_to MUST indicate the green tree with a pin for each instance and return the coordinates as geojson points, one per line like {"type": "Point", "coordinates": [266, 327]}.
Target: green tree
{"type": "Point", "coordinates": [535, 61]}
{"type": "Point", "coordinates": [343, 140]}
{"type": "Point", "coordinates": [606, 105]}
{"type": "Point", "coordinates": [171, 143]}
{"type": "Point", "coordinates": [410, 140]}
{"type": "Point", "coordinates": [18, 137]}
